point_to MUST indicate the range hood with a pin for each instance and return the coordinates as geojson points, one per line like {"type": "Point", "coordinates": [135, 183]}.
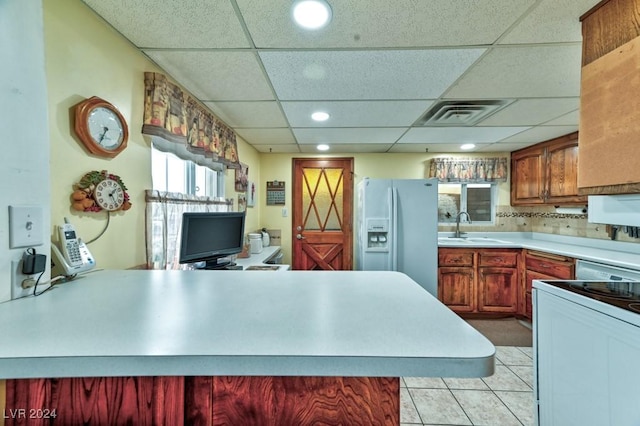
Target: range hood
{"type": "Point", "coordinates": [614, 209]}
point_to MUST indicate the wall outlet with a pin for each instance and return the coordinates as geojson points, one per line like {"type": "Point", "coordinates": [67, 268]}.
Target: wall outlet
{"type": "Point", "coordinates": [16, 280]}
{"type": "Point", "coordinates": [275, 236]}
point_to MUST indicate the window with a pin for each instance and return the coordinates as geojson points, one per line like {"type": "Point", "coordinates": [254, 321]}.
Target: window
{"type": "Point", "coordinates": [477, 199]}
{"type": "Point", "coordinates": [172, 174]}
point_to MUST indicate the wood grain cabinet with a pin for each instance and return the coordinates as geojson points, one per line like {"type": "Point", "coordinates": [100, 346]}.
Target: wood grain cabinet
{"type": "Point", "coordinates": [542, 266]}
{"type": "Point", "coordinates": [479, 281]}
{"type": "Point", "coordinates": [456, 279]}
{"type": "Point", "coordinates": [610, 99]}
{"type": "Point", "coordinates": [546, 173]}
{"type": "Point", "coordinates": [498, 281]}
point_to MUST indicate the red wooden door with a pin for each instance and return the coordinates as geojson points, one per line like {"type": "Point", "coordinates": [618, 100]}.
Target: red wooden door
{"type": "Point", "coordinates": [322, 231]}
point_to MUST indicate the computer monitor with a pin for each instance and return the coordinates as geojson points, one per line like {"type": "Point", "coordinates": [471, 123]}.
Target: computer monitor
{"type": "Point", "coordinates": [211, 237]}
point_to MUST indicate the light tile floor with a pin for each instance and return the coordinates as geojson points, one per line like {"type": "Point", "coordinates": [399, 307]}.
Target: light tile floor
{"type": "Point", "coordinates": [504, 399]}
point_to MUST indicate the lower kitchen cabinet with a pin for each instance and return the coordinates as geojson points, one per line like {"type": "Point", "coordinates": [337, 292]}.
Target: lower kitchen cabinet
{"type": "Point", "coordinates": [542, 266]}
{"type": "Point", "coordinates": [479, 281]}
{"type": "Point", "coordinates": [456, 288]}
{"type": "Point", "coordinates": [498, 290]}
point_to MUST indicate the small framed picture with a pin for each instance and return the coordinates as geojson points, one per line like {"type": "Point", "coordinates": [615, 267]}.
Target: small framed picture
{"type": "Point", "coordinates": [242, 202]}
{"type": "Point", "coordinates": [251, 194]}
{"type": "Point", "coordinates": [241, 178]}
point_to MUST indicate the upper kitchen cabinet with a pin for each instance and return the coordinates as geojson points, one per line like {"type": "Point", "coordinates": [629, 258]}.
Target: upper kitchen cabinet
{"type": "Point", "coordinates": [546, 173]}
{"type": "Point", "coordinates": [610, 99]}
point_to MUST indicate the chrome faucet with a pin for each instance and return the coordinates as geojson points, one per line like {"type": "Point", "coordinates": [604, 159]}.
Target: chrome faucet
{"type": "Point", "coordinates": [458, 233]}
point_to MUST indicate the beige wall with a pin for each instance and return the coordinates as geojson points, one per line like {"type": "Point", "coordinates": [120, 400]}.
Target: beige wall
{"type": "Point", "coordinates": [249, 156]}
{"type": "Point", "coordinates": [389, 166]}
{"type": "Point", "coordinates": [84, 58]}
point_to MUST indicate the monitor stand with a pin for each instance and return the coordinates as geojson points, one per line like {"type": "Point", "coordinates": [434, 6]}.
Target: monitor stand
{"type": "Point", "coordinates": [217, 264]}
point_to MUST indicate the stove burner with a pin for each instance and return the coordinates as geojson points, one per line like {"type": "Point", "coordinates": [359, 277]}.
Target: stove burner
{"type": "Point", "coordinates": [623, 294]}
{"type": "Point", "coordinates": [610, 290]}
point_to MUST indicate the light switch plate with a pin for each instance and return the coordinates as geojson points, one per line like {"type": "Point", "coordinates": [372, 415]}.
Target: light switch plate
{"type": "Point", "coordinates": [25, 226]}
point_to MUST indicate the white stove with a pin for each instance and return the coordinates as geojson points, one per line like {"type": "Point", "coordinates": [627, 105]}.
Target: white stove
{"type": "Point", "coordinates": [587, 347]}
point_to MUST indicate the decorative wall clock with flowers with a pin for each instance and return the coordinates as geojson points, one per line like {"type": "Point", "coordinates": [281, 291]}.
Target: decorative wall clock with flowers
{"type": "Point", "coordinates": [97, 191]}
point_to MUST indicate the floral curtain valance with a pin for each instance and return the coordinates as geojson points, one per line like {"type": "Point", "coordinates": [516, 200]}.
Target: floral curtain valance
{"type": "Point", "coordinates": [179, 124]}
{"type": "Point", "coordinates": [469, 170]}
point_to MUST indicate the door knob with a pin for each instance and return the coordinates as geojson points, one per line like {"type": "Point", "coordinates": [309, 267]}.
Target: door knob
{"type": "Point", "coordinates": [298, 228]}
{"type": "Point", "coordinates": [300, 237]}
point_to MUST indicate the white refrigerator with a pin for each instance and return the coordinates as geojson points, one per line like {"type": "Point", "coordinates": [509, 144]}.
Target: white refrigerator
{"type": "Point", "coordinates": [397, 228]}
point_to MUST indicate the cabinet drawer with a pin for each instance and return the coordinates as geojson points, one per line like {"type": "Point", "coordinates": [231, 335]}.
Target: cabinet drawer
{"type": "Point", "coordinates": [558, 269]}
{"type": "Point", "coordinates": [498, 259]}
{"type": "Point", "coordinates": [454, 258]}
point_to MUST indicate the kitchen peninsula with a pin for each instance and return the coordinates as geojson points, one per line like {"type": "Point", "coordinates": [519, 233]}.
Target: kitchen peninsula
{"type": "Point", "coordinates": [231, 347]}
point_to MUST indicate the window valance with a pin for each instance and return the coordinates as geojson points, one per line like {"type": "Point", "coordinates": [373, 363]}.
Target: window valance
{"type": "Point", "coordinates": [181, 125]}
{"type": "Point", "coordinates": [469, 170]}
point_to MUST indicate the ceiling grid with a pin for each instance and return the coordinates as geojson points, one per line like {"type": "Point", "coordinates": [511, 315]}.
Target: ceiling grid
{"type": "Point", "coordinates": [377, 68]}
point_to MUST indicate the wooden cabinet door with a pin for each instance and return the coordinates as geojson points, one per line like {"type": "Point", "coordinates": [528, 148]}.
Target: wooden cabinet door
{"type": "Point", "coordinates": [529, 276]}
{"type": "Point", "coordinates": [609, 101]}
{"type": "Point", "coordinates": [498, 290]}
{"type": "Point", "coordinates": [562, 172]}
{"type": "Point", "coordinates": [456, 288]}
{"type": "Point", "coordinates": [527, 177]}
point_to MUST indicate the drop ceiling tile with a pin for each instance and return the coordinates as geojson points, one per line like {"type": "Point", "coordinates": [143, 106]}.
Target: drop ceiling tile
{"type": "Point", "coordinates": [428, 148]}
{"type": "Point", "coordinates": [348, 148]}
{"type": "Point", "coordinates": [171, 24]}
{"type": "Point", "coordinates": [215, 75]}
{"type": "Point", "coordinates": [348, 135]}
{"type": "Point", "coordinates": [551, 21]}
{"type": "Point", "coordinates": [541, 134]}
{"type": "Point", "coordinates": [360, 75]}
{"type": "Point", "coordinates": [530, 112]}
{"type": "Point", "coordinates": [249, 114]}
{"type": "Point", "coordinates": [515, 72]}
{"type": "Point", "coordinates": [267, 136]}
{"type": "Point", "coordinates": [504, 146]}
{"type": "Point", "coordinates": [570, 119]}
{"type": "Point", "coordinates": [381, 23]}
{"type": "Point", "coordinates": [278, 149]}
{"type": "Point", "coordinates": [458, 135]}
{"type": "Point", "coordinates": [356, 113]}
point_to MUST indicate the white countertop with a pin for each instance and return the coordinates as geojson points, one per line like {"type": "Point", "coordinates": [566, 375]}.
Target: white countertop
{"type": "Point", "coordinates": [258, 259]}
{"type": "Point", "coordinates": [300, 323]}
{"type": "Point", "coordinates": [615, 253]}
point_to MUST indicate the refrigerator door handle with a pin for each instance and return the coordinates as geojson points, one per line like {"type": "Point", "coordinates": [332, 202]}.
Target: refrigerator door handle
{"type": "Point", "coordinates": [393, 217]}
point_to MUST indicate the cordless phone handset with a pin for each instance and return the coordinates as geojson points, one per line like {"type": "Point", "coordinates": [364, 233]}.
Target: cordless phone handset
{"type": "Point", "coordinates": [74, 256]}
{"type": "Point", "coordinates": [70, 244]}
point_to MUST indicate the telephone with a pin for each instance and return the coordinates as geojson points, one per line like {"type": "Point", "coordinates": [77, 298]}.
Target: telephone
{"type": "Point", "coordinates": [73, 256]}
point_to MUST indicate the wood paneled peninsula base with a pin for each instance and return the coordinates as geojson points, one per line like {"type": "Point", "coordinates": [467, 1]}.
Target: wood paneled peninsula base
{"type": "Point", "coordinates": [220, 400]}
{"type": "Point", "coordinates": [229, 348]}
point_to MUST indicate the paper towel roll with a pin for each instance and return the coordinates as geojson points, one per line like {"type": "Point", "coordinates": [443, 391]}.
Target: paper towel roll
{"type": "Point", "coordinates": [571, 210]}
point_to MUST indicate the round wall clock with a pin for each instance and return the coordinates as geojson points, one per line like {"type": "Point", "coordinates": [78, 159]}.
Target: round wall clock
{"type": "Point", "coordinates": [99, 190]}
{"type": "Point", "coordinates": [109, 195]}
{"type": "Point", "coordinates": [101, 127]}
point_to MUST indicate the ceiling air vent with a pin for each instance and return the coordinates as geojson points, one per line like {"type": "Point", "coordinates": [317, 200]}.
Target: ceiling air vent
{"type": "Point", "coordinates": [460, 113]}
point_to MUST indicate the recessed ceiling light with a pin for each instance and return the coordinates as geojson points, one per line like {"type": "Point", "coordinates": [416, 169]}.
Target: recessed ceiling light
{"type": "Point", "coordinates": [322, 147]}
{"type": "Point", "coordinates": [311, 14]}
{"type": "Point", "coordinates": [320, 116]}
{"type": "Point", "coordinates": [467, 146]}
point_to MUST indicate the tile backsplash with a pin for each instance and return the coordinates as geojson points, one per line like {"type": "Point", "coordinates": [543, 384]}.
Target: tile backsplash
{"type": "Point", "coordinates": [544, 220]}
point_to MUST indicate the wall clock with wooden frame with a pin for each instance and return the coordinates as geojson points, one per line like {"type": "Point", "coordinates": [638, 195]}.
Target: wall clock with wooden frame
{"type": "Point", "coordinates": [101, 127]}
